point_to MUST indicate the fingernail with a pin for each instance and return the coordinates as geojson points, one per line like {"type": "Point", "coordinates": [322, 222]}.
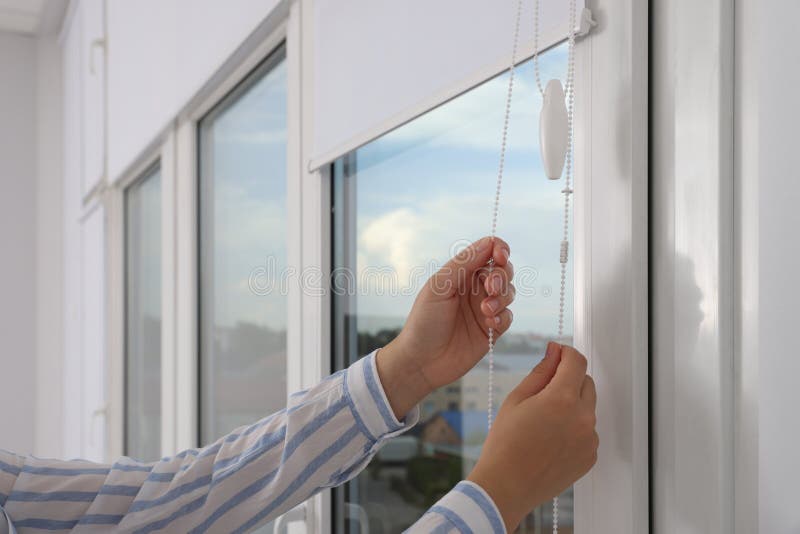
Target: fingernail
{"type": "Point", "coordinates": [505, 253]}
{"type": "Point", "coordinates": [496, 319]}
{"type": "Point", "coordinates": [493, 304]}
{"type": "Point", "coordinates": [497, 285]}
{"type": "Point", "coordinates": [552, 348]}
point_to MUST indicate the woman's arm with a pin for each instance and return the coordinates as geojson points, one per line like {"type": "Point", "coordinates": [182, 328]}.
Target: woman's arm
{"type": "Point", "coordinates": [324, 438]}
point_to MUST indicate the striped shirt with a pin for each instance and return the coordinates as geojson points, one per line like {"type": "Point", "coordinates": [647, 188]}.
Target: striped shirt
{"type": "Point", "coordinates": [325, 437]}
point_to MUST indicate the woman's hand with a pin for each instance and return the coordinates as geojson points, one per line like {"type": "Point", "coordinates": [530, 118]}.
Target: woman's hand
{"type": "Point", "coordinates": [447, 331]}
{"type": "Point", "coordinates": [543, 438]}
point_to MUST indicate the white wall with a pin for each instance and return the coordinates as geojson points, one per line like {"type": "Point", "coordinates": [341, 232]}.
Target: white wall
{"type": "Point", "coordinates": [49, 250]}
{"type": "Point", "coordinates": [17, 241]}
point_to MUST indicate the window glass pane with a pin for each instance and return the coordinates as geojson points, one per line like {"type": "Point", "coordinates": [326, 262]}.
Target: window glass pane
{"type": "Point", "coordinates": [143, 318]}
{"type": "Point", "coordinates": [242, 248]}
{"type": "Point", "coordinates": [402, 206]}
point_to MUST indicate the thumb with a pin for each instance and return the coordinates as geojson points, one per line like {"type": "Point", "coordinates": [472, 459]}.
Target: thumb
{"type": "Point", "coordinates": [539, 377]}
{"type": "Point", "coordinates": [455, 274]}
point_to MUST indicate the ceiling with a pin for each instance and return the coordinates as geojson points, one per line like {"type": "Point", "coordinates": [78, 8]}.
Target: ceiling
{"type": "Point", "coordinates": [31, 17]}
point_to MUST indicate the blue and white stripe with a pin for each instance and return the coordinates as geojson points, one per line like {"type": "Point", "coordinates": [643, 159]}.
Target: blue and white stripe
{"type": "Point", "coordinates": [466, 509]}
{"type": "Point", "coordinates": [245, 479]}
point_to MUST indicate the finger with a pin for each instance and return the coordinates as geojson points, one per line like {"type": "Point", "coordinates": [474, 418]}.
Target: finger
{"type": "Point", "coordinates": [491, 306]}
{"type": "Point", "coordinates": [501, 252]}
{"type": "Point", "coordinates": [571, 371]}
{"type": "Point", "coordinates": [500, 322]}
{"type": "Point", "coordinates": [496, 280]}
{"type": "Point", "coordinates": [453, 276]}
{"type": "Point", "coordinates": [539, 377]}
{"type": "Point", "coordinates": [589, 392]}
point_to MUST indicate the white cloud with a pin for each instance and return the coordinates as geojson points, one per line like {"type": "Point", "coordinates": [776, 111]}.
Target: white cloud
{"type": "Point", "coordinates": [426, 227]}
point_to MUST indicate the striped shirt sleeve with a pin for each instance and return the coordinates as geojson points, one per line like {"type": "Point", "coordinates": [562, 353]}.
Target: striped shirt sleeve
{"type": "Point", "coordinates": [466, 509]}
{"type": "Point", "coordinates": [324, 437]}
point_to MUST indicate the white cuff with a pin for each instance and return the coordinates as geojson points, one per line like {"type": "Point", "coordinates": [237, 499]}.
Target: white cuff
{"type": "Point", "coordinates": [470, 509]}
{"type": "Point", "coordinates": [369, 403]}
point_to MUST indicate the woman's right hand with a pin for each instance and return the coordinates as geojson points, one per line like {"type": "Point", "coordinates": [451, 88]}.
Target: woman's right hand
{"type": "Point", "coordinates": [543, 438]}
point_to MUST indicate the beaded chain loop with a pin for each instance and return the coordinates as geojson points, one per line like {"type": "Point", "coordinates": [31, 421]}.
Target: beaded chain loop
{"type": "Point", "coordinates": [568, 170]}
{"type": "Point", "coordinates": [568, 174]}
{"type": "Point", "coordinates": [496, 207]}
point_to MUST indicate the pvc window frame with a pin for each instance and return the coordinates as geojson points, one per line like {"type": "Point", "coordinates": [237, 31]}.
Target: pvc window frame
{"type": "Point", "coordinates": [704, 232]}
{"type": "Point", "coordinates": [268, 63]}
{"type": "Point", "coordinates": [175, 150]}
{"type": "Point", "coordinates": [114, 199]}
{"type": "Point", "coordinates": [125, 186]}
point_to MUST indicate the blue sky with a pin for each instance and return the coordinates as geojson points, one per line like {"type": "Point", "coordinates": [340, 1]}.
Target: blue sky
{"type": "Point", "coordinates": [248, 170]}
{"type": "Point", "coordinates": [431, 183]}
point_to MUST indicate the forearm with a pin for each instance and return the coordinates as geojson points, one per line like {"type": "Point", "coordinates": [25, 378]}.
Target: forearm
{"type": "Point", "coordinates": [404, 383]}
{"type": "Point", "coordinates": [324, 438]}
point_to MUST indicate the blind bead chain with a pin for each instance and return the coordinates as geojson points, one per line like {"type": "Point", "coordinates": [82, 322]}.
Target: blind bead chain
{"type": "Point", "coordinates": [568, 174]}
{"type": "Point", "coordinates": [496, 206]}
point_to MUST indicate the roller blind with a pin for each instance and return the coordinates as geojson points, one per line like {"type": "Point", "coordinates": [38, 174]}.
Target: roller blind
{"type": "Point", "coordinates": [380, 63]}
{"type": "Point", "coordinates": [160, 53]}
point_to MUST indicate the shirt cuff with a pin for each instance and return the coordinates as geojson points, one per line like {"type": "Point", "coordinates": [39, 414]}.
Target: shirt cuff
{"type": "Point", "coordinates": [369, 403]}
{"type": "Point", "coordinates": [470, 509]}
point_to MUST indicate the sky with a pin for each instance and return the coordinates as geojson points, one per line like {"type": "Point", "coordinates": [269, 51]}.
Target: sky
{"type": "Point", "coordinates": [428, 187]}
{"type": "Point", "coordinates": [244, 180]}
{"type": "Point", "coordinates": [143, 226]}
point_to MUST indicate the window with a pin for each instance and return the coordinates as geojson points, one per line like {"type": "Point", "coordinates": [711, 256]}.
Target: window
{"type": "Point", "coordinates": [242, 209]}
{"type": "Point", "coordinates": [402, 205]}
{"type": "Point", "coordinates": [143, 317]}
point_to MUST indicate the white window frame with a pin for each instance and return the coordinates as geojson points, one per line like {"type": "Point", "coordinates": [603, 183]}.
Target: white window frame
{"type": "Point", "coordinates": [158, 154]}
{"type": "Point", "coordinates": [175, 148]}
{"type": "Point", "coordinates": [611, 262]}
{"type": "Point", "coordinates": [610, 251]}
{"type": "Point", "coordinates": [705, 212]}
{"type": "Point", "coordinates": [117, 244]}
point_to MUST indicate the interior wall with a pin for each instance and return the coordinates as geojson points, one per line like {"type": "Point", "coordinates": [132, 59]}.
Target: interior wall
{"type": "Point", "coordinates": [49, 250]}
{"type": "Point", "coordinates": [17, 241]}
